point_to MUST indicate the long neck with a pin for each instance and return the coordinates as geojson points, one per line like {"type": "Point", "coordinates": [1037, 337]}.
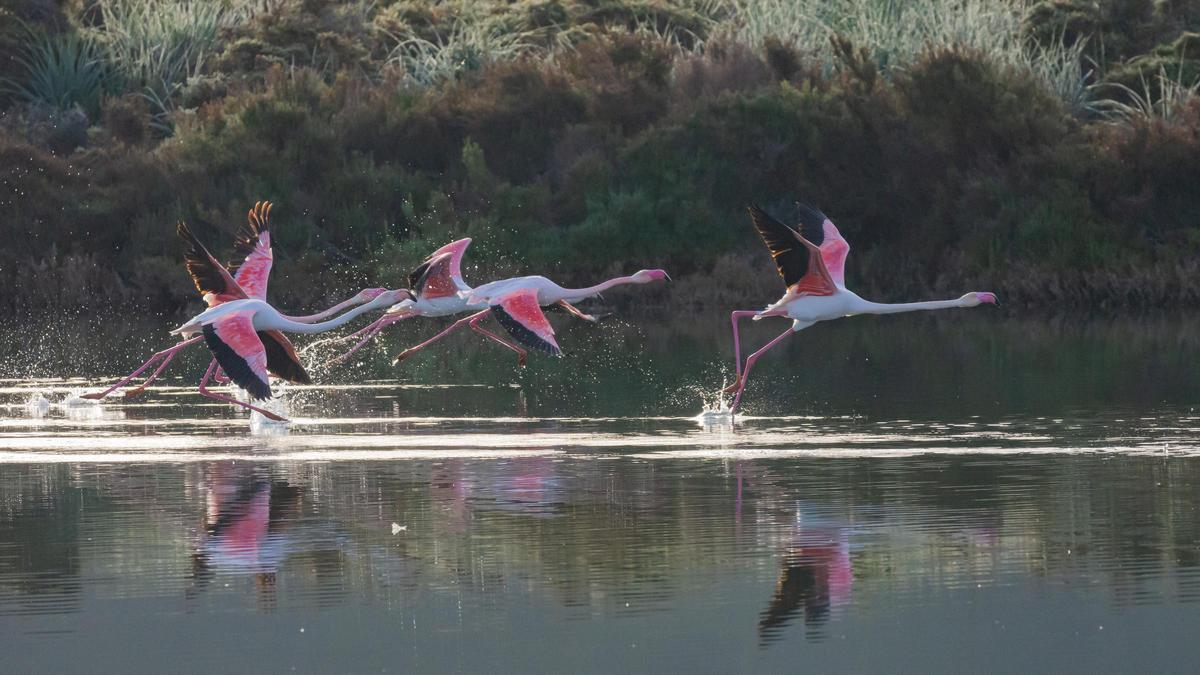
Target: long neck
{"type": "Point", "coordinates": [887, 308]}
{"type": "Point", "coordinates": [325, 314]}
{"type": "Point", "coordinates": [571, 293]}
{"type": "Point", "coordinates": [281, 322]}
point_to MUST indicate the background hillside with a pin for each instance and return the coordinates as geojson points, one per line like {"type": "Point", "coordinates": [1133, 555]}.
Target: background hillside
{"type": "Point", "coordinates": [1048, 151]}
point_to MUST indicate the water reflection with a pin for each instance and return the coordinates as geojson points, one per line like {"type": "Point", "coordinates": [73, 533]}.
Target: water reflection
{"type": "Point", "coordinates": [248, 523]}
{"type": "Point", "coordinates": [815, 580]}
{"type": "Point", "coordinates": [782, 550]}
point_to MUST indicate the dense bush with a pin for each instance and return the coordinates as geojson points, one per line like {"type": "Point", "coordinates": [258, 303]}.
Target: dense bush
{"type": "Point", "coordinates": [599, 136]}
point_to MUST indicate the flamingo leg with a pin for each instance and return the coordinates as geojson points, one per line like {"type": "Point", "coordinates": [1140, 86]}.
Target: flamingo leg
{"type": "Point", "coordinates": [576, 312]}
{"type": "Point", "coordinates": [167, 354]}
{"type": "Point", "coordinates": [521, 353]}
{"type": "Point", "coordinates": [212, 367]}
{"type": "Point", "coordinates": [737, 345]}
{"type": "Point", "coordinates": [453, 327]}
{"type": "Point", "coordinates": [750, 364]}
{"type": "Point", "coordinates": [737, 339]}
{"type": "Point", "coordinates": [371, 331]}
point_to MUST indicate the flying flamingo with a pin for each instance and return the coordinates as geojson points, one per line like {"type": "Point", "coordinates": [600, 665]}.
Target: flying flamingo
{"type": "Point", "coordinates": [254, 242]}
{"type": "Point", "coordinates": [245, 334]}
{"type": "Point", "coordinates": [812, 263]}
{"type": "Point", "coordinates": [516, 303]}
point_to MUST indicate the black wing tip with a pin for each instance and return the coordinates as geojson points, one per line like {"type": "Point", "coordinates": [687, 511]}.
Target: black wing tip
{"type": "Point", "coordinates": [259, 217]}
{"type": "Point", "coordinates": [235, 366]}
{"type": "Point", "coordinates": [810, 216]}
{"type": "Point", "coordinates": [523, 334]}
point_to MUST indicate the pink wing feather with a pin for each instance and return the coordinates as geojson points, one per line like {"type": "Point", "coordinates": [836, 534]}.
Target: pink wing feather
{"type": "Point", "coordinates": [252, 274]}
{"type": "Point", "coordinates": [237, 347]}
{"type": "Point", "coordinates": [456, 249]}
{"type": "Point", "coordinates": [521, 315]}
{"type": "Point", "coordinates": [834, 250]}
{"type": "Point", "coordinates": [441, 274]}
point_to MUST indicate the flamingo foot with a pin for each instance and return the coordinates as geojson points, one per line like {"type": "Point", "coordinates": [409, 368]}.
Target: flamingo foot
{"type": "Point", "coordinates": [136, 391]}
{"type": "Point", "coordinates": [93, 396]}
{"type": "Point", "coordinates": [520, 360]}
{"type": "Point", "coordinates": [401, 356]}
{"type": "Point", "coordinates": [731, 388]}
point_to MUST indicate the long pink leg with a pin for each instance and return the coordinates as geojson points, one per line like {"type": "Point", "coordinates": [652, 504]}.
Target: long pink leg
{"type": "Point", "coordinates": [229, 399]}
{"type": "Point", "coordinates": [168, 354]}
{"type": "Point", "coordinates": [737, 344]}
{"type": "Point", "coordinates": [750, 364]}
{"type": "Point", "coordinates": [521, 353]}
{"type": "Point", "coordinates": [453, 327]}
{"type": "Point", "coordinates": [374, 330]}
{"type": "Point", "coordinates": [153, 376]}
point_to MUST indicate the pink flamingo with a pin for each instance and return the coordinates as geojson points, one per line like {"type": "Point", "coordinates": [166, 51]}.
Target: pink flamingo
{"type": "Point", "coordinates": [440, 291]}
{"type": "Point", "coordinates": [254, 243]}
{"type": "Point", "coordinates": [245, 334]}
{"type": "Point", "coordinates": [814, 272]}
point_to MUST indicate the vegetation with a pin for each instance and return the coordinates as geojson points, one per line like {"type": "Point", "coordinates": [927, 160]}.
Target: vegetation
{"type": "Point", "coordinates": [1047, 151]}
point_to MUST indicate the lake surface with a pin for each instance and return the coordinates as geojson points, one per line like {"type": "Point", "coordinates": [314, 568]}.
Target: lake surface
{"type": "Point", "coordinates": [956, 493]}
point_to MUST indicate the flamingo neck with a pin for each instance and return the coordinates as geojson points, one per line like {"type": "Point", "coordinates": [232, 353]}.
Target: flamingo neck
{"type": "Point", "coordinates": [580, 293]}
{"type": "Point", "coordinates": [281, 322]}
{"type": "Point", "coordinates": [896, 308]}
{"type": "Point", "coordinates": [324, 314]}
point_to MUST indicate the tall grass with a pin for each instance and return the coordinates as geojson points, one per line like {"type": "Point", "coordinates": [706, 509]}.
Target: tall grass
{"type": "Point", "coordinates": [897, 32]}
{"type": "Point", "coordinates": [63, 71]}
{"type": "Point", "coordinates": [158, 43]}
{"type": "Point", "coordinates": [470, 44]}
{"type": "Point", "coordinates": [1162, 98]}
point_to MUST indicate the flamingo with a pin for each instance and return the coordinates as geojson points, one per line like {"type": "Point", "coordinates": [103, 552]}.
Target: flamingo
{"type": "Point", "coordinates": [440, 291]}
{"type": "Point", "coordinates": [814, 273]}
{"type": "Point", "coordinates": [244, 333]}
{"type": "Point", "coordinates": [254, 242]}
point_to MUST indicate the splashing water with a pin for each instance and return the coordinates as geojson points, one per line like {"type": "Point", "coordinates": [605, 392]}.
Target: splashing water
{"type": "Point", "coordinates": [37, 404]}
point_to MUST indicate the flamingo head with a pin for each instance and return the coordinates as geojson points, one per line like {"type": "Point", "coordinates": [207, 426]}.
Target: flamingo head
{"type": "Point", "coordinates": [368, 294]}
{"type": "Point", "coordinates": [646, 276]}
{"type": "Point", "coordinates": [976, 298]}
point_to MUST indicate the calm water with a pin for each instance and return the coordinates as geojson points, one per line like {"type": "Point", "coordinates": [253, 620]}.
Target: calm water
{"type": "Point", "coordinates": [909, 494]}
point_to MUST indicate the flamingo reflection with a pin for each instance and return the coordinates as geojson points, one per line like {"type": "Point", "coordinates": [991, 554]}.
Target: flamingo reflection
{"type": "Point", "coordinates": [246, 529]}
{"type": "Point", "coordinates": [815, 579]}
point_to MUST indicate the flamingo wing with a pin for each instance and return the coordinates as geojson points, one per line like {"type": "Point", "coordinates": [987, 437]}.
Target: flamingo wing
{"type": "Point", "coordinates": [441, 273]}
{"type": "Point", "coordinates": [282, 361]}
{"type": "Point", "coordinates": [797, 257]}
{"type": "Point", "coordinates": [521, 315]}
{"type": "Point", "coordinates": [819, 229]}
{"type": "Point", "coordinates": [210, 277]}
{"type": "Point", "coordinates": [236, 346]}
{"type": "Point", "coordinates": [253, 246]}
{"type": "Point", "coordinates": [432, 279]}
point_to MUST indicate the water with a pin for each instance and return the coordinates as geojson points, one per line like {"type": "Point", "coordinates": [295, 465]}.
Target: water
{"type": "Point", "coordinates": [910, 494]}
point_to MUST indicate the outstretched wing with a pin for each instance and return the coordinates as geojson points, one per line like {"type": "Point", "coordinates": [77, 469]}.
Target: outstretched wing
{"type": "Point", "coordinates": [441, 273]}
{"type": "Point", "coordinates": [834, 248]}
{"type": "Point", "coordinates": [252, 247]}
{"type": "Point", "coordinates": [210, 277]}
{"type": "Point", "coordinates": [237, 347]}
{"type": "Point", "coordinates": [282, 361]}
{"type": "Point", "coordinates": [432, 279]}
{"type": "Point", "coordinates": [797, 257]}
{"type": "Point", "coordinates": [521, 315]}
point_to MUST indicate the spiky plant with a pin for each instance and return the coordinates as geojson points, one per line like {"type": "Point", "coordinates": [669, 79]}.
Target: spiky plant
{"type": "Point", "coordinates": [64, 71]}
